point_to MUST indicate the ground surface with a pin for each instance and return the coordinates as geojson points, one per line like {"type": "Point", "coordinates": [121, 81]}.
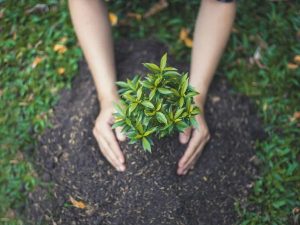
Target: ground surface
{"type": "Point", "coordinates": [149, 192]}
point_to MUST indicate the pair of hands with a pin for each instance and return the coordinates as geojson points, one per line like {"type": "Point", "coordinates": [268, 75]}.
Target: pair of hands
{"type": "Point", "coordinates": [110, 148]}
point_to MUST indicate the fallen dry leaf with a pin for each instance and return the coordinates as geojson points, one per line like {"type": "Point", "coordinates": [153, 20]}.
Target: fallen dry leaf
{"type": "Point", "coordinates": [60, 48]}
{"type": "Point", "coordinates": [77, 204]}
{"type": "Point", "coordinates": [297, 59]}
{"type": "Point", "coordinates": [184, 37]}
{"type": "Point", "coordinates": [183, 34]}
{"type": "Point", "coordinates": [255, 59]}
{"type": "Point", "coordinates": [188, 42]}
{"type": "Point", "coordinates": [113, 18]}
{"type": "Point", "coordinates": [36, 61]}
{"type": "Point", "coordinates": [296, 115]}
{"type": "Point", "coordinates": [157, 7]}
{"type": "Point", "coordinates": [137, 16]}
{"type": "Point", "coordinates": [215, 99]}
{"type": "Point", "coordinates": [292, 66]}
{"type": "Point", "coordinates": [63, 40]}
{"type": "Point", "coordinates": [38, 8]}
{"type": "Point", "coordinates": [61, 70]}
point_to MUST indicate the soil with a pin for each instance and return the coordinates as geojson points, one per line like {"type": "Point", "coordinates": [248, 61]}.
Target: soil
{"type": "Point", "coordinates": [150, 191]}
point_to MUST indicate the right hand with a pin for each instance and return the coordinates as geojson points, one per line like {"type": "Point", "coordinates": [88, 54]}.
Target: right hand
{"type": "Point", "coordinates": [105, 136]}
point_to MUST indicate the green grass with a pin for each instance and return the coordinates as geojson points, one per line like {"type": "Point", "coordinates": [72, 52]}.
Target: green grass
{"type": "Point", "coordinates": [27, 94]}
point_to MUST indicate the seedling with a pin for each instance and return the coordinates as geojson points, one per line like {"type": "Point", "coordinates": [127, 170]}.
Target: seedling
{"type": "Point", "coordinates": [159, 104]}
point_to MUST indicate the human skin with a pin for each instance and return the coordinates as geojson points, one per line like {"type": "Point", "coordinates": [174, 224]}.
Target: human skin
{"type": "Point", "coordinates": [211, 34]}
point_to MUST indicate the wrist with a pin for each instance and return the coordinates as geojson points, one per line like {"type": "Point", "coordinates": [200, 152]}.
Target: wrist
{"type": "Point", "coordinates": [108, 99]}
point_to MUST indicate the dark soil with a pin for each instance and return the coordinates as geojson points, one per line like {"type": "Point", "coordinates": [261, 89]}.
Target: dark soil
{"type": "Point", "coordinates": [150, 191]}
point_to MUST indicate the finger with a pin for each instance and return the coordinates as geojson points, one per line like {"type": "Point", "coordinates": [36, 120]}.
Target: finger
{"type": "Point", "coordinates": [192, 161]}
{"type": "Point", "coordinates": [185, 136]}
{"type": "Point", "coordinates": [119, 134]}
{"type": "Point", "coordinates": [107, 152]}
{"type": "Point", "coordinates": [110, 138]}
{"type": "Point", "coordinates": [193, 145]}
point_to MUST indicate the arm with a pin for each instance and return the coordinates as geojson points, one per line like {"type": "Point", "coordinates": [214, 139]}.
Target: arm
{"type": "Point", "coordinates": [92, 27]}
{"type": "Point", "coordinates": [212, 30]}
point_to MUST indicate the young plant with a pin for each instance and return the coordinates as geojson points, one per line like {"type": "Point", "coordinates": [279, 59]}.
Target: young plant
{"type": "Point", "coordinates": [159, 104]}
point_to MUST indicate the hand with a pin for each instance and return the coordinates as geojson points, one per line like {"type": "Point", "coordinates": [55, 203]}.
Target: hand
{"type": "Point", "coordinates": [199, 137]}
{"type": "Point", "coordinates": [105, 136]}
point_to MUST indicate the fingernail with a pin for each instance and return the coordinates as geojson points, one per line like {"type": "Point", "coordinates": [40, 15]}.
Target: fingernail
{"type": "Point", "coordinates": [121, 168]}
{"type": "Point", "coordinates": [183, 139]}
{"type": "Point", "coordinates": [185, 172]}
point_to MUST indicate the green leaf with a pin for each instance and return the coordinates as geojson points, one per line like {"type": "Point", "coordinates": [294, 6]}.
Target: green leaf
{"type": "Point", "coordinates": [194, 123]}
{"type": "Point", "coordinates": [148, 104]}
{"type": "Point", "coordinates": [140, 128]}
{"type": "Point", "coordinates": [152, 93]}
{"type": "Point", "coordinates": [163, 61]}
{"type": "Point", "coordinates": [184, 85]}
{"type": "Point", "coordinates": [139, 93]}
{"type": "Point", "coordinates": [171, 73]}
{"type": "Point", "coordinates": [117, 124]}
{"type": "Point", "coordinates": [279, 204]}
{"type": "Point", "coordinates": [181, 102]}
{"type": "Point", "coordinates": [192, 94]}
{"type": "Point", "coordinates": [157, 81]}
{"type": "Point", "coordinates": [128, 97]}
{"type": "Point", "coordinates": [196, 110]}
{"type": "Point", "coordinates": [161, 118]}
{"type": "Point", "coordinates": [152, 130]}
{"type": "Point", "coordinates": [120, 110]}
{"type": "Point", "coordinates": [147, 84]}
{"type": "Point", "coordinates": [149, 113]}
{"type": "Point", "coordinates": [164, 91]}
{"type": "Point", "coordinates": [170, 69]}
{"type": "Point", "coordinates": [181, 126]}
{"type": "Point", "coordinates": [159, 104]}
{"type": "Point", "coordinates": [132, 108]}
{"type": "Point", "coordinates": [146, 144]}
{"type": "Point", "coordinates": [122, 84]}
{"type": "Point", "coordinates": [152, 67]}
{"type": "Point", "coordinates": [179, 112]}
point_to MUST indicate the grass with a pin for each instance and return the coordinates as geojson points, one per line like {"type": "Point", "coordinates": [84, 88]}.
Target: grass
{"type": "Point", "coordinates": [28, 92]}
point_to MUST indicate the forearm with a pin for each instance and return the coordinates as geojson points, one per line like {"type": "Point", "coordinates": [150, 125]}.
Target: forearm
{"type": "Point", "coordinates": [212, 30]}
{"type": "Point", "coordinates": [92, 27]}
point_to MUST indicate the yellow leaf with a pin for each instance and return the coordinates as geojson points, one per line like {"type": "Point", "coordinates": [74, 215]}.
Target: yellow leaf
{"type": "Point", "coordinates": [183, 34]}
{"type": "Point", "coordinates": [137, 16]}
{"type": "Point", "coordinates": [60, 48]}
{"type": "Point", "coordinates": [77, 204]}
{"type": "Point", "coordinates": [188, 42]}
{"type": "Point", "coordinates": [297, 59]}
{"type": "Point", "coordinates": [292, 66]}
{"type": "Point", "coordinates": [113, 18]}
{"type": "Point", "coordinates": [36, 61]}
{"type": "Point", "coordinates": [61, 70]}
{"type": "Point", "coordinates": [296, 115]}
{"type": "Point", "coordinates": [63, 40]}
{"type": "Point", "coordinates": [156, 8]}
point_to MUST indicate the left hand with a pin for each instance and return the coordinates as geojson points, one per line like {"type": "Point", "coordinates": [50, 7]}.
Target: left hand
{"type": "Point", "coordinates": [199, 137]}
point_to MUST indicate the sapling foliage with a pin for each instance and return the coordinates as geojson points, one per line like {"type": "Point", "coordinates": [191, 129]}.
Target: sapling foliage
{"type": "Point", "coordinates": [158, 104]}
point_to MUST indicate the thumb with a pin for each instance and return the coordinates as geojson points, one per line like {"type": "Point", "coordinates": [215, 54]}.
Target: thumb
{"type": "Point", "coordinates": [119, 134]}
{"type": "Point", "coordinates": [185, 136]}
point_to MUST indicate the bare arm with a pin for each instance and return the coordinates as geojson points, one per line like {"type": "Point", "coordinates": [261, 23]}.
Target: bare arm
{"type": "Point", "coordinates": [211, 34]}
{"type": "Point", "coordinates": [92, 27]}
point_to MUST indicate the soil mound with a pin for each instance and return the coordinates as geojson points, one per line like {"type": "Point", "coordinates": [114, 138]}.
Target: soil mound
{"type": "Point", "coordinates": [149, 192]}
